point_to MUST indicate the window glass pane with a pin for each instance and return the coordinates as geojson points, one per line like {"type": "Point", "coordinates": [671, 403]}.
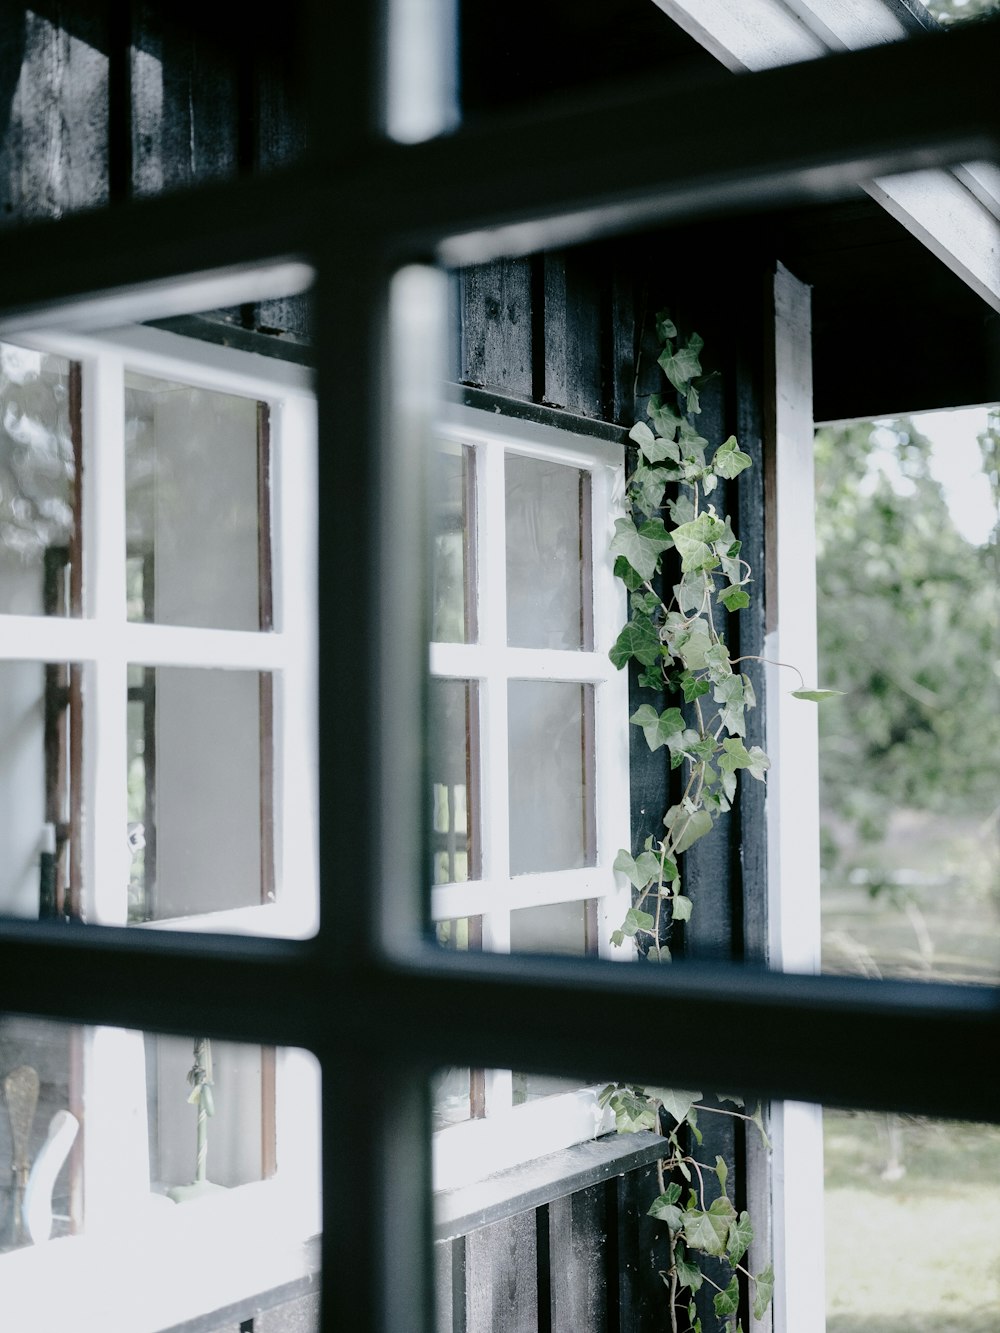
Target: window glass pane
{"type": "Point", "coordinates": [562, 928]}
{"type": "Point", "coordinates": [199, 791]}
{"type": "Point", "coordinates": [453, 769]}
{"type": "Point", "coordinates": [39, 490]}
{"type": "Point", "coordinates": [196, 469]}
{"type": "Point", "coordinates": [558, 928]}
{"type": "Point", "coordinates": [41, 708]}
{"type": "Point", "coordinates": [550, 766]}
{"type": "Point", "coordinates": [111, 1148]}
{"type": "Point", "coordinates": [453, 598]}
{"type": "Point", "coordinates": [548, 555]}
{"type": "Point", "coordinates": [458, 1093]}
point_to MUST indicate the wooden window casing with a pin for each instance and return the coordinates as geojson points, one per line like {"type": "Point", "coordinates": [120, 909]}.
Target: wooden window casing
{"type": "Point", "coordinates": [374, 999]}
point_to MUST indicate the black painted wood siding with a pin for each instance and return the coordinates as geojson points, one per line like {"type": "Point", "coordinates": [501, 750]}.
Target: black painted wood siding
{"type": "Point", "coordinates": [100, 103]}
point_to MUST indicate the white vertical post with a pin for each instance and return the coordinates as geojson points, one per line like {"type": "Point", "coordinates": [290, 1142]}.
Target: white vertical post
{"type": "Point", "coordinates": [793, 802]}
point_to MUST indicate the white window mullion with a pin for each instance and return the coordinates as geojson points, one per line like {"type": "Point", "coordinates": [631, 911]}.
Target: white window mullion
{"type": "Point", "coordinates": [294, 573]}
{"type": "Point", "coordinates": [611, 778]}
{"type": "Point", "coordinates": [116, 1153]}
{"type": "Point", "coordinates": [493, 688]}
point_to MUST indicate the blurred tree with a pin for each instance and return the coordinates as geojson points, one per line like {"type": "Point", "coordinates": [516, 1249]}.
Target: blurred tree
{"type": "Point", "coordinates": [909, 628]}
{"type": "Point", "coordinates": [959, 11]}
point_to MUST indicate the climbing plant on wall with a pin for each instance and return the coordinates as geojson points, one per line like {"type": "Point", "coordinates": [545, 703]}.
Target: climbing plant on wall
{"type": "Point", "coordinates": [681, 562]}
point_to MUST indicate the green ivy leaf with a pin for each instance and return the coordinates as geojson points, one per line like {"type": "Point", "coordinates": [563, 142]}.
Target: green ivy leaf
{"type": "Point", "coordinates": [734, 598]}
{"type": "Point", "coordinates": [680, 367]}
{"type": "Point", "coordinates": [645, 602]}
{"type": "Point", "coordinates": [646, 489]}
{"type": "Point", "coordinates": [681, 907]}
{"type": "Point", "coordinates": [677, 1103]}
{"type": "Point", "coordinates": [759, 763]}
{"type": "Point", "coordinates": [653, 448]}
{"type": "Point", "coordinates": [817, 696]}
{"type": "Point", "coordinates": [688, 1275]}
{"type": "Point", "coordinates": [722, 1171]}
{"type": "Point", "coordinates": [694, 645]}
{"type": "Point", "coordinates": [658, 728]}
{"type": "Point", "coordinates": [636, 921]}
{"type": "Point", "coordinates": [618, 938]}
{"type": "Point", "coordinates": [740, 1237]}
{"type": "Point", "coordinates": [729, 461]}
{"type": "Point", "coordinates": [639, 639]}
{"type": "Point", "coordinates": [686, 827]}
{"type": "Point", "coordinates": [681, 510]}
{"type": "Point", "coordinates": [665, 1211]}
{"type": "Point", "coordinates": [735, 755]}
{"type": "Point", "coordinates": [728, 1301]}
{"type": "Point", "coordinates": [692, 444]}
{"type": "Point", "coordinates": [707, 1231]}
{"type": "Point", "coordinates": [693, 401]}
{"type": "Point", "coordinates": [693, 541]}
{"type": "Point", "coordinates": [665, 326]}
{"type": "Point", "coordinates": [665, 420]}
{"type": "Point", "coordinates": [642, 546]}
{"type": "Point", "coordinates": [693, 687]}
{"type": "Point", "coordinates": [731, 694]}
{"type": "Point", "coordinates": [758, 1119]}
{"type": "Point", "coordinates": [652, 679]}
{"type": "Point", "coordinates": [624, 571]}
{"type": "Point", "coordinates": [765, 1290]}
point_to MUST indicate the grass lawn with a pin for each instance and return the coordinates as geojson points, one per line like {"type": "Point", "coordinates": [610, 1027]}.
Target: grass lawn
{"type": "Point", "coordinates": [920, 1252]}
{"type": "Point", "coordinates": [913, 1206]}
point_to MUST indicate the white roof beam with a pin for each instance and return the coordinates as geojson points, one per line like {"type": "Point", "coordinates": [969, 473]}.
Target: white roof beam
{"type": "Point", "coordinates": [954, 213]}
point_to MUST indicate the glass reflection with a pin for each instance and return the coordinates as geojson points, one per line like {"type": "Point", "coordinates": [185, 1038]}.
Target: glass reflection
{"type": "Point", "coordinates": [197, 506]}
{"type": "Point", "coordinates": [548, 557]}
{"type": "Point", "coordinates": [39, 483]}
{"type": "Point", "coordinates": [550, 766]}
{"type": "Point", "coordinates": [453, 770]}
{"type": "Point", "coordinates": [41, 720]}
{"type": "Point", "coordinates": [132, 1152]}
{"type": "Point", "coordinates": [453, 602]}
{"type": "Point", "coordinates": [200, 800]}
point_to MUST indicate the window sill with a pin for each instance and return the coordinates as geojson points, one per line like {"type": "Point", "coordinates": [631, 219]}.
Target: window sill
{"type": "Point", "coordinates": [541, 1181]}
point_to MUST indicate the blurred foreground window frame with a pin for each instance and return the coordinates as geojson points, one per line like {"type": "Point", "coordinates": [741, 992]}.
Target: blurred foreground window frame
{"type": "Point", "coordinates": [380, 1005]}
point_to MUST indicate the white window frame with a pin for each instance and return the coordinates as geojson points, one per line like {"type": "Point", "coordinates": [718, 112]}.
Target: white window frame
{"type": "Point", "coordinates": [285, 1209]}
{"type": "Point", "coordinates": [508, 1135]}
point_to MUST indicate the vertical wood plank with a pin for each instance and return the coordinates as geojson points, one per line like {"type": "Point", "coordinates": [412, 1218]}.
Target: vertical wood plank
{"type": "Point", "coordinates": [501, 1292]}
{"type": "Point", "coordinates": [276, 79]}
{"type": "Point", "coordinates": [54, 118]}
{"type": "Point", "coordinates": [573, 309]}
{"type": "Point", "coordinates": [184, 101]}
{"type": "Point", "coordinates": [496, 326]}
{"type": "Point", "coordinates": [642, 1253]}
{"type": "Point", "coordinates": [578, 1248]}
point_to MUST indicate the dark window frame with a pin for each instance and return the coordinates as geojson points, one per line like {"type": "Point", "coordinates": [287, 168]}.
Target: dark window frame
{"type": "Point", "coordinates": [376, 1005]}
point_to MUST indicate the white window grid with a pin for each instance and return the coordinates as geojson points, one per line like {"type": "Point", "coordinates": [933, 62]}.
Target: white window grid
{"type": "Point", "coordinates": [475, 1148]}
{"type": "Point", "coordinates": [104, 643]}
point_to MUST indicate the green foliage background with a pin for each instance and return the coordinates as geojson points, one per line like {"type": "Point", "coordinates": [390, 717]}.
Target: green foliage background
{"type": "Point", "coordinates": [909, 629]}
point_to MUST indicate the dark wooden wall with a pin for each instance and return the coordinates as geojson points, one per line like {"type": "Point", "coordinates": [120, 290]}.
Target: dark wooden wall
{"type": "Point", "coordinates": [574, 331]}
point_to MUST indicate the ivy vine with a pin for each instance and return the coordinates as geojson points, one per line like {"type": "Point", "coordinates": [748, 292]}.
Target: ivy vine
{"type": "Point", "coordinates": [677, 636]}
{"type": "Point", "coordinates": [701, 1219]}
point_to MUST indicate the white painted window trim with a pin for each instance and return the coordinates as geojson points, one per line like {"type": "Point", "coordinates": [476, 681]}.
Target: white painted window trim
{"type": "Point", "coordinates": [796, 1128]}
{"type": "Point", "coordinates": [116, 1161]}
{"type": "Point", "coordinates": [473, 1149]}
